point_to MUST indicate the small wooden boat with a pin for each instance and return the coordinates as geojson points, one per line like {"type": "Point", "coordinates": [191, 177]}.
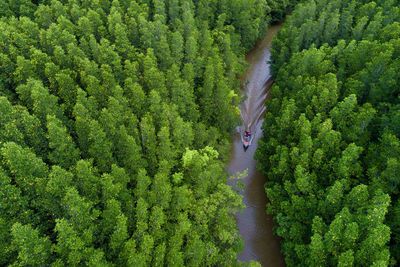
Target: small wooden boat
{"type": "Point", "coordinates": [246, 140]}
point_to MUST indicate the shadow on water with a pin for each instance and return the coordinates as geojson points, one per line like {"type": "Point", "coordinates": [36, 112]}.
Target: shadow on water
{"type": "Point", "coordinates": [255, 226]}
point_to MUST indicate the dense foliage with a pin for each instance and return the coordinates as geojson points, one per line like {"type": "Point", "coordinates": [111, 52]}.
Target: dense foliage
{"type": "Point", "coordinates": [331, 147]}
{"type": "Point", "coordinates": [114, 123]}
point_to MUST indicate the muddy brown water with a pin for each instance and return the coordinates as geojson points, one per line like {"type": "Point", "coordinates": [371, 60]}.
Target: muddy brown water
{"type": "Point", "coordinates": [255, 226]}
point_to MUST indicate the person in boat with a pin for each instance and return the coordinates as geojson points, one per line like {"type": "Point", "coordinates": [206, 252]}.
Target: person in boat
{"type": "Point", "coordinates": [247, 139]}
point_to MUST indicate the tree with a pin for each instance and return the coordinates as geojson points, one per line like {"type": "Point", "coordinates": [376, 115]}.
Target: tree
{"type": "Point", "coordinates": [67, 88]}
{"type": "Point", "coordinates": [173, 12]}
{"type": "Point", "coordinates": [24, 166]}
{"type": "Point", "coordinates": [70, 246]}
{"type": "Point", "coordinates": [317, 253]}
{"type": "Point", "coordinates": [176, 45]}
{"type": "Point", "coordinates": [87, 179]}
{"type": "Point", "coordinates": [22, 128]}
{"type": "Point", "coordinates": [80, 213]}
{"type": "Point", "coordinates": [32, 249]}
{"type": "Point", "coordinates": [129, 153]}
{"type": "Point", "coordinates": [149, 142]}
{"type": "Point", "coordinates": [9, 191]}
{"type": "Point", "coordinates": [100, 147]}
{"type": "Point", "coordinates": [156, 221]}
{"type": "Point", "coordinates": [39, 100]}
{"type": "Point", "coordinates": [165, 149]}
{"type": "Point", "coordinates": [119, 236]}
{"type": "Point", "coordinates": [59, 181]}
{"type": "Point", "coordinates": [64, 151]}
{"type": "Point", "coordinates": [141, 219]}
{"type": "Point", "coordinates": [136, 96]}
{"type": "Point", "coordinates": [161, 189]}
{"type": "Point", "coordinates": [152, 77]}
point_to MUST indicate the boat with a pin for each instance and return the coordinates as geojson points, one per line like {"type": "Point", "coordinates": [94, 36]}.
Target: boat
{"type": "Point", "coordinates": [247, 138]}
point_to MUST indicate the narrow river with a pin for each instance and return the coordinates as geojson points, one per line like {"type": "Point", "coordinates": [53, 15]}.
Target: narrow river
{"type": "Point", "coordinates": [255, 226]}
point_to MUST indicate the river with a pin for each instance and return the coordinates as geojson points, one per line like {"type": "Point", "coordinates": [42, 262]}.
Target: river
{"type": "Point", "coordinates": [255, 226]}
